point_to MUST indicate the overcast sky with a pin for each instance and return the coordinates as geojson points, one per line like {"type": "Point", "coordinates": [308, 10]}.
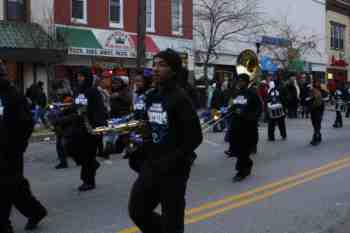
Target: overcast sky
{"type": "Point", "coordinates": [304, 13]}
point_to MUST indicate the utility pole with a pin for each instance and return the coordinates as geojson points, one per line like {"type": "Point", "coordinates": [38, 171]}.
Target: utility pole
{"type": "Point", "coordinates": [141, 33]}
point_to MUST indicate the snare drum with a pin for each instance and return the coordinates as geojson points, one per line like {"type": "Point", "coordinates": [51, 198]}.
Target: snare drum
{"type": "Point", "coordinates": [275, 111]}
{"type": "Point", "coordinates": [340, 107]}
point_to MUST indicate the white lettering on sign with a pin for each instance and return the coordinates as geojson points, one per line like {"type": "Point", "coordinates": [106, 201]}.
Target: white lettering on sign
{"type": "Point", "coordinates": [113, 52]}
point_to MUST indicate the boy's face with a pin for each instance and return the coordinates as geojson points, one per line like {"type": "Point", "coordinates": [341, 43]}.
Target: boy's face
{"type": "Point", "coordinates": [161, 70]}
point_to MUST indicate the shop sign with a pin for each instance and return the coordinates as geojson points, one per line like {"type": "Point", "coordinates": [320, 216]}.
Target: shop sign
{"type": "Point", "coordinates": [338, 62]}
{"type": "Point", "coordinates": [268, 40]}
{"type": "Point", "coordinates": [119, 41]}
{"type": "Point", "coordinates": [107, 52]}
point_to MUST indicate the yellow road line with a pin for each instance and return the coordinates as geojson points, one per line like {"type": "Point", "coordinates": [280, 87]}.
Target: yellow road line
{"type": "Point", "coordinates": [264, 195]}
{"type": "Point", "coordinates": [228, 199]}
{"type": "Point", "coordinates": [286, 183]}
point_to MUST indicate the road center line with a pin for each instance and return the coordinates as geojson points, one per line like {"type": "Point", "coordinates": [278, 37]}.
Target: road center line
{"type": "Point", "coordinates": [257, 194]}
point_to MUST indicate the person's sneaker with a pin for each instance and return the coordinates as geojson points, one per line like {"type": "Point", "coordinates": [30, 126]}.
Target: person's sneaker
{"type": "Point", "coordinates": [32, 223]}
{"type": "Point", "coordinates": [229, 154]}
{"type": "Point", "coordinates": [239, 177]}
{"type": "Point", "coordinates": [86, 187]}
{"type": "Point", "coordinates": [61, 166]}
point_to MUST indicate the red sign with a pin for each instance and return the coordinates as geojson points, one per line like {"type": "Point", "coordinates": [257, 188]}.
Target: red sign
{"type": "Point", "coordinates": [338, 62]}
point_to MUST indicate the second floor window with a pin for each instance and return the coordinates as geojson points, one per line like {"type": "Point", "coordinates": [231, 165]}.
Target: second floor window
{"type": "Point", "coordinates": [16, 10]}
{"type": "Point", "coordinates": [79, 11]}
{"type": "Point", "coordinates": [150, 15]}
{"type": "Point", "coordinates": [116, 13]}
{"type": "Point", "coordinates": [337, 36]}
{"type": "Point", "coordinates": [176, 16]}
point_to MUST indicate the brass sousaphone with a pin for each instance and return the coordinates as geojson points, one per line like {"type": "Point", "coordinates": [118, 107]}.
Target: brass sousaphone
{"type": "Point", "coordinates": [248, 63]}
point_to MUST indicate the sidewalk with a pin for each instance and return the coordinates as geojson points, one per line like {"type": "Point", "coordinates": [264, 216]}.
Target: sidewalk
{"type": "Point", "coordinates": [42, 134]}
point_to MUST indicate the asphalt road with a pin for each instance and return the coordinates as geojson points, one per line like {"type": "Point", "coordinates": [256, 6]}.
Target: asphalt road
{"type": "Point", "coordinates": [294, 188]}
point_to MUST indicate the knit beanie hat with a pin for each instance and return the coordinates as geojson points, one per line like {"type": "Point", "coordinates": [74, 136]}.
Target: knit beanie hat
{"type": "Point", "coordinates": [172, 58]}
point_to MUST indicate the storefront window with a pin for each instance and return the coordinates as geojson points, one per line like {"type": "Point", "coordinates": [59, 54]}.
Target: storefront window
{"type": "Point", "coordinates": [337, 36]}
{"type": "Point", "coordinates": [79, 11]}
{"type": "Point", "coordinates": [16, 10]}
{"type": "Point", "coordinates": [176, 15]}
{"type": "Point", "coordinates": [116, 13]}
{"type": "Point", "coordinates": [150, 15]}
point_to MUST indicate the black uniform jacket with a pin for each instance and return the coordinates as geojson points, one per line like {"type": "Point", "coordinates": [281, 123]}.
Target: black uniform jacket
{"type": "Point", "coordinates": [246, 110]}
{"type": "Point", "coordinates": [16, 126]}
{"type": "Point", "coordinates": [175, 129]}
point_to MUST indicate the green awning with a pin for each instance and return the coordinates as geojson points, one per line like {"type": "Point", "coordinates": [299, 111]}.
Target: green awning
{"type": "Point", "coordinates": [21, 35]}
{"type": "Point", "coordinates": [78, 38]}
{"type": "Point", "coordinates": [20, 40]}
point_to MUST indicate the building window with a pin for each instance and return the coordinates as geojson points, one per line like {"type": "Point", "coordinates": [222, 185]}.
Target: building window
{"type": "Point", "coordinates": [116, 13]}
{"type": "Point", "coordinates": [79, 11]}
{"type": "Point", "coordinates": [16, 10]}
{"type": "Point", "coordinates": [176, 15]}
{"type": "Point", "coordinates": [337, 36]}
{"type": "Point", "coordinates": [150, 15]}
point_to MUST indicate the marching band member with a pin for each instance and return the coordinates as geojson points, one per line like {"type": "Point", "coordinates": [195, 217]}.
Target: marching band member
{"type": "Point", "coordinates": [246, 110]}
{"type": "Point", "coordinates": [340, 104]}
{"type": "Point", "coordinates": [176, 133]}
{"type": "Point", "coordinates": [276, 113]}
{"type": "Point", "coordinates": [315, 101]}
{"type": "Point", "coordinates": [16, 127]}
{"type": "Point", "coordinates": [87, 112]}
{"type": "Point", "coordinates": [142, 87]}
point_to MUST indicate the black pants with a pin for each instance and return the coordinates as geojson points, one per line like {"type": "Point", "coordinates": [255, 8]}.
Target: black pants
{"type": "Point", "coordinates": [61, 149]}
{"type": "Point", "coordinates": [338, 119]}
{"type": "Point", "coordinates": [150, 190]}
{"type": "Point", "coordinates": [254, 148]}
{"type": "Point", "coordinates": [347, 111]}
{"type": "Point", "coordinates": [281, 123]}
{"type": "Point", "coordinates": [293, 110]}
{"type": "Point", "coordinates": [316, 120]}
{"type": "Point", "coordinates": [244, 163]}
{"type": "Point", "coordinates": [87, 159]}
{"type": "Point", "coordinates": [304, 112]}
{"type": "Point", "coordinates": [19, 195]}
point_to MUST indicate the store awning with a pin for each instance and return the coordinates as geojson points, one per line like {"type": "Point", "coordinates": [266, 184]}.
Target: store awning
{"type": "Point", "coordinates": [151, 46]}
{"type": "Point", "coordinates": [19, 41]}
{"type": "Point", "coordinates": [78, 38]}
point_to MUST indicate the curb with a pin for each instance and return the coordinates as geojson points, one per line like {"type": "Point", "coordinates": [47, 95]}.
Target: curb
{"type": "Point", "coordinates": [46, 137]}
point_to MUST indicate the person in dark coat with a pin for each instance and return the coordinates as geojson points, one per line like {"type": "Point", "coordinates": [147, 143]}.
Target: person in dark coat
{"type": "Point", "coordinates": [316, 102]}
{"type": "Point", "coordinates": [87, 113]}
{"type": "Point", "coordinates": [16, 126]}
{"type": "Point", "coordinates": [176, 133]}
{"type": "Point", "coordinates": [121, 100]}
{"type": "Point", "coordinates": [246, 111]}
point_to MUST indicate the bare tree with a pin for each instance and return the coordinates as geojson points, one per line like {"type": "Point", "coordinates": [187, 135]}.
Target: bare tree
{"type": "Point", "coordinates": [217, 21]}
{"type": "Point", "coordinates": [299, 42]}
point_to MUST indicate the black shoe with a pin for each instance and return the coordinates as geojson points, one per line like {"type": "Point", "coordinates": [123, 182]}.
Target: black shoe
{"type": "Point", "coordinates": [239, 177]}
{"type": "Point", "coordinates": [61, 166]}
{"type": "Point", "coordinates": [284, 138]}
{"type": "Point", "coordinates": [271, 139]}
{"type": "Point", "coordinates": [229, 154]}
{"type": "Point", "coordinates": [315, 142]}
{"type": "Point", "coordinates": [86, 187]}
{"type": "Point", "coordinates": [32, 223]}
